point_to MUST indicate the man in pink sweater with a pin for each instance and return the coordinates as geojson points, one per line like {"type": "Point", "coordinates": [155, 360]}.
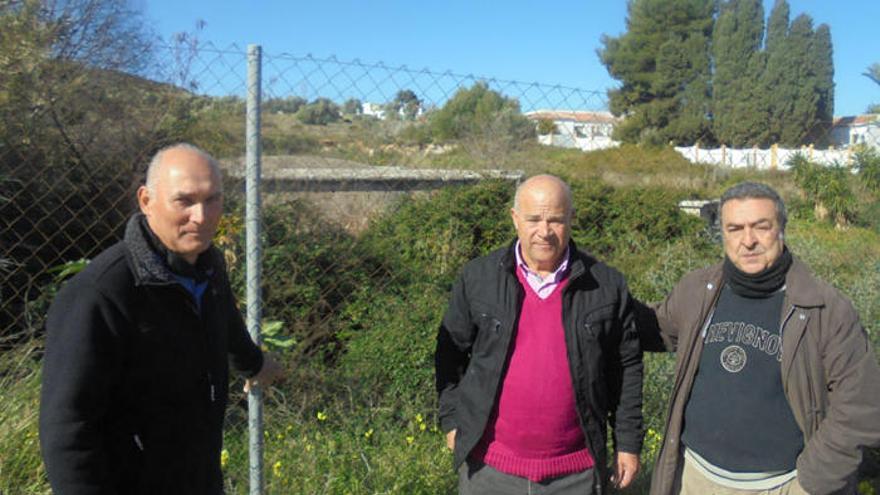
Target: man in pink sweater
{"type": "Point", "coordinates": [536, 354]}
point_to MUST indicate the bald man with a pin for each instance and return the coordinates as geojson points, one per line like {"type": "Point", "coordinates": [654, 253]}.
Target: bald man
{"type": "Point", "coordinates": [135, 374]}
{"type": "Point", "coordinates": [536, 355]}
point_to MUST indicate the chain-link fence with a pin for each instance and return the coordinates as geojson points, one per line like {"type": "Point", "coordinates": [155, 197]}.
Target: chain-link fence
{"type": "Point", "coordinates": [343, 143]}
{"type": "Point", "coordinates": [75, 156]}
{"type": "Point", "coordinates": [356, 158]}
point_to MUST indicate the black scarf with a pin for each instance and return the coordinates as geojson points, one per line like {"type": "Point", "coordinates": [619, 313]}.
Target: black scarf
{"type": "Point", "coordinates": [200, 271]}
{"type": "Point", "coordinates": [761, 284]}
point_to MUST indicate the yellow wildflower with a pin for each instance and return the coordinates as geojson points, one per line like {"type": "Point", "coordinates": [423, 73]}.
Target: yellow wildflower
{"type": "Point", "coordinates": [322, 416]}
{"type": "Point", "coordinates": [224, 458]}
{"type": "Point", "coordinates": [276, 469]}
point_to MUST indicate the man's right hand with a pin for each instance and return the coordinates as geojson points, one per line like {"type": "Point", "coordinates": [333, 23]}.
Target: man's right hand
{"type": "Point", "coordinates": [450, 439]}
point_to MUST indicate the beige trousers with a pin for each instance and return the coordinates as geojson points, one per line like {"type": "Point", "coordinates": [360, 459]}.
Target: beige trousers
{"type": "Point", "coordinates": [694, 483]}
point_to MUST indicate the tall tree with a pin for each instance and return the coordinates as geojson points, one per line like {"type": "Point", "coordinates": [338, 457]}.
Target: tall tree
{"type": "Point", "coordinates": [800, 115]}
{"type": "Point", "coordinates": [404, 105]}
{"type": "Point", "coordinates": [775, 80]}
{"type": "Point", "coordinates": [663, 65]}
{"type": "Point", "coordinates": [736, 47]}
{"type": "Point", "coordinates": [823, 76]}
{"type": "Point", "coordinates": [798, 82]}
{"type": "Point", "coordinates": [777, 26]}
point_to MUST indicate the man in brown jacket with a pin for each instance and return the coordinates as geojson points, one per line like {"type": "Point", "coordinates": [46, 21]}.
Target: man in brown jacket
{"type": "Point", "coordinates": [777, 388]}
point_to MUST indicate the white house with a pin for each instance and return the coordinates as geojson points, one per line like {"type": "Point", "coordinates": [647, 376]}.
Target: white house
{"type": "Point", "coordinates": [577, 129]}
{"type": "Point", "coordinates": [860, 129]}
{"type": "Point", "coordinates": [378, 110]}
{"type": "Point", "coordinates": [374, 110]}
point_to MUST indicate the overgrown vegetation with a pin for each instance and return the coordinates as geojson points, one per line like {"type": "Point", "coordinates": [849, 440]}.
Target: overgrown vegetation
{"type": "Point", "coordinates": [353, 316]}
{"type": "Point", "coordinates": [356, 414]}
{"type": "Point", "coordinates": [837, 194]}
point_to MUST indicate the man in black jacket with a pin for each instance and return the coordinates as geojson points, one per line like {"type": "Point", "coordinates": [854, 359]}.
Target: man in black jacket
{"type": "Point", "coordinates": [135, 374]}
{"type": "Point", "coordinates": [536, 354]}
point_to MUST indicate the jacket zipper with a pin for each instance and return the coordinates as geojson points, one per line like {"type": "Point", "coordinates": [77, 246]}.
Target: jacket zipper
{"type": "Point", "coordinates": [138, 442]}
{"type": "Point", "coordinates": [579, 399]}
{"type": "Point", "coordinates": [194, 307]}
{"type": "Point", "coordinates": [813, 408]}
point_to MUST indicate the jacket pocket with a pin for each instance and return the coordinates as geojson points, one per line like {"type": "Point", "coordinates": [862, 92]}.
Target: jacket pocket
{"type": "Point", "coordinates": [490, 328]}
{"type": "Point", "coordinates": [596, 323]}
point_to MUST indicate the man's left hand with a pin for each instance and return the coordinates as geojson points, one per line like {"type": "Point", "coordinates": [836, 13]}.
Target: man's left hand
{"type": "Point", "coordinates": [626, 466]}
{"type": "Point", "coordinates": [270, 372]}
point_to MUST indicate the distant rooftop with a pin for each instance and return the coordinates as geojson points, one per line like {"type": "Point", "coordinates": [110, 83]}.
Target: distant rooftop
{"type": "Point", "coordinates": [573, 116]}
{"type": "Point", "coordinates": [855, 120]}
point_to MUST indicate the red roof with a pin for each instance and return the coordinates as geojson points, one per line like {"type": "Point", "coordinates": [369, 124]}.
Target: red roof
{"type": "Point", "coordinates": [574, 116]}
{"type": "Point", "coordinates": [851, 121]}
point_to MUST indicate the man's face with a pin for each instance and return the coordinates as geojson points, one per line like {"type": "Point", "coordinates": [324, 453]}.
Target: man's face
{"type": "Point", "coordinates": [185, 206]}
{"type": "Point", "coordinates": [752, 234]}
{"type": "Point", "coordinates": [543, 225]}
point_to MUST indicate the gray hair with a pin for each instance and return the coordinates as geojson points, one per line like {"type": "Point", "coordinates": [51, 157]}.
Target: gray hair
{"type": "Point", "coordinates": [565, 189]}
{"type": "Point", "coordinates": [153, 167]}
{"type": "Point", "coordinates": [756, 190]}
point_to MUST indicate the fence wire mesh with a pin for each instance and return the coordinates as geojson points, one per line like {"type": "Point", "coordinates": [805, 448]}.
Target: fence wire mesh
{"type": "Point", "coordinates": [350, 150]}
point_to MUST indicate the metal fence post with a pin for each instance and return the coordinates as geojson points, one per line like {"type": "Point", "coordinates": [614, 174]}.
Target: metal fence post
{"type": "Point", "coordinates": [254, 273]}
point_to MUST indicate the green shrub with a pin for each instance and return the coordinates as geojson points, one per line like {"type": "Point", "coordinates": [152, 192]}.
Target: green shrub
{"type": "Point", "coordinates": [310, 269]}
{"type": "Point", "coordinates": [390, 343]}
{"type": "Point", "coordinates": [429, 238]}
{"type": "Point", "coordinates": [479, 112]}
{"type": "Point", "coordinates": [609, 220]}
{"type": "Point", "coordinates": [828, 187]}
{"type": "Point", "coordinates": [319, 112]}
{"type": "Point", "coordinates": [868, 167]}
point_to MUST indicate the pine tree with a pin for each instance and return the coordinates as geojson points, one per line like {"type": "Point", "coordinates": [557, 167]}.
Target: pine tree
{"type": "Point", "coordinates": [777, 26]}
{"type": "Point", "coordinates": [801, 118]}
{"type": "Point", "coordinates": [823, 64]}
{"type": "Point", "coordinates": [737, 38]}
{"type": "Point", "coordinates": [663, 64]}
{"type": "Point", "coordinates": [775, 80]}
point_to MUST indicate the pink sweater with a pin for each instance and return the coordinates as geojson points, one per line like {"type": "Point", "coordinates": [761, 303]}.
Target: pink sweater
{"type": "Point", "coordinates": [534, 431]}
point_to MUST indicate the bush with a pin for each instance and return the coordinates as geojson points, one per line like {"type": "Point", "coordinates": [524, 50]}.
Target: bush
{"type": "Point", "coordinates": [609, 221]}
{"type": "Point", "coordinates": [319, 112]}
{"type": "Point", "coordinates": [429, 238]}
{"type": "Point", "coordinates": [480, 112]}
{"type": "Point", "coordinates": [828, 187]}
{"type": "Point", "coordinates": [310, 270]}
{"type": "Point", "coordinates": [868, 167]}
{"type": "Point", "coordinates": [390, 344]}
{"type": "Point", "coordinates": [290, 104]}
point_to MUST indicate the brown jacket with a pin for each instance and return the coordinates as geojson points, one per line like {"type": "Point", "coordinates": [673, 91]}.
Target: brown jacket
{"type": "Point", "coordinates": [829, 372]}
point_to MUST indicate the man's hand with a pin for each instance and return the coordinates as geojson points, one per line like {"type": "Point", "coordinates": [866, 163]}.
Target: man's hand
{"type": "Point", "coordinates": [450, 439]}
{"type": "Point", "coordinates": [270, 372]}
{"type": "Point", "coordinates": [626, 466]}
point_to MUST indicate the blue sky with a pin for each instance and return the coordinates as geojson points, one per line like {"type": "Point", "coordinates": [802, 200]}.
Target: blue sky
{"type": "Point", "coordinates": [547, 42]}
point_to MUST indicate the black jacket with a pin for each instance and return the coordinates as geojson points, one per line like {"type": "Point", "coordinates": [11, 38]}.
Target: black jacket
{"type": "Point", "coordinates": [135, 378]}
{"type": "Point", "coordinates": [600, 335]}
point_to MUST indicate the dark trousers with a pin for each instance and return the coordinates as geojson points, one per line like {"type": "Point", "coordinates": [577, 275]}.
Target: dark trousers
{"type": "Point", "coordinates": [477, 478]}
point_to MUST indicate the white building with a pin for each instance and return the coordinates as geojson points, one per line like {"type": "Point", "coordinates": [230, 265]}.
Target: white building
{"type": "Point", "coordinates": [374, 110]}
{"type": "Point", "coordinates": [860, 129]}
{"type": "Point", "coordinates": [577, 129]}
{"type": "Point", "coordinates": [378, 110]}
